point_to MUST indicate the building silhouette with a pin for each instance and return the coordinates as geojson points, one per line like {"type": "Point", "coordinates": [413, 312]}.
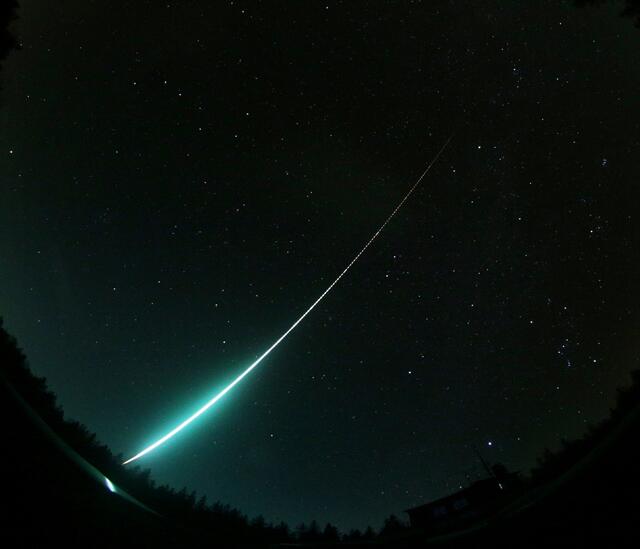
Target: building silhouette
{"type": "Point", "coordinates": [460, 509]}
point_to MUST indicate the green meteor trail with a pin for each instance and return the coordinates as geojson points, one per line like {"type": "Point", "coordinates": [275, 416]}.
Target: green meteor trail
{"type": "Point", "coordinates": [246, 372]}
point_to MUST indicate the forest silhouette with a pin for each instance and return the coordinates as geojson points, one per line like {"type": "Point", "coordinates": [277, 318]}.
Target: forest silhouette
{"type": "Point", "coordinates": [631, 8]}
{"type": "Point", "coordinates": [49, 496]}
{"type": "Point", "coordinates": [8, 41]}
{"type": "Point", "coordinates": [585, 491]}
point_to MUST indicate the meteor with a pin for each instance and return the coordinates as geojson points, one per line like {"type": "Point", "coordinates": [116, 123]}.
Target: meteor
{"type": "Point", "coordinates": [246, 372]}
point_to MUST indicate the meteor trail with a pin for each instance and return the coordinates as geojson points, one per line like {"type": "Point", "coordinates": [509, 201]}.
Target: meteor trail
{"type": "Point", "coordinates": [237, 380]}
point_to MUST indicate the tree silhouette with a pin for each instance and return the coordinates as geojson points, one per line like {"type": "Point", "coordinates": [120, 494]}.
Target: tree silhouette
{"type": "Point", "coordinates": [330, 534]}
{"type": "Point", "coordinates": [64, 492]}
{"type": "Point", "coordinates": [392, 526]}
{"type": "Point", "coordinates": [631, 8]}
{"type": "Point", "coordinates": [354, 535]}
{"type": "Point", "coordinates": [8, 41]}
{"type": "Point", "coordinates": [553, 464]}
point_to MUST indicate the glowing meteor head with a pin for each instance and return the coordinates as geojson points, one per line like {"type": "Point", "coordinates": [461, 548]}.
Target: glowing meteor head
{"type": "Point", "coordinates": [110, 485]}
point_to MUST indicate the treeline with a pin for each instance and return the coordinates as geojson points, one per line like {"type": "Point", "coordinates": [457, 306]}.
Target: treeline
{"type": "Point", "coordinates": [631, 8]}
{"type": "Point", "coordinates": [180, 506]}
{"type": "Point", "coordinates": [312, 533]}
{"type": "Point", "coordinates": [193, 511]}
{"type": "Point", "coordinates": [8, 41]}
{"type": "Point", "coordinates": [552, 464]}
{"type": "Point", "coordinates": [186, 508]}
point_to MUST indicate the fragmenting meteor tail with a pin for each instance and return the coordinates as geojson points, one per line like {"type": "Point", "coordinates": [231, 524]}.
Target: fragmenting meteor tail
{"type": "Point", "coordinates": [246, 372]}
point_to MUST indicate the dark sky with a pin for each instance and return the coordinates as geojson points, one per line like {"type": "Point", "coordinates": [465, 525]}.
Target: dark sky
{"type": "Point", "coordinates": [181, 180]}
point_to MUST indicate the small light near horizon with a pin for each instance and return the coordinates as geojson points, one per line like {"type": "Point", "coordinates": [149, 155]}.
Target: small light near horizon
{"type": "Point", "coordinates": [110, 485]}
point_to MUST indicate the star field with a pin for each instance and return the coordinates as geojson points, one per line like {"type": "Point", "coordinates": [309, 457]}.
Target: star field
{"type": "Point", "coordinates": [181, 180]}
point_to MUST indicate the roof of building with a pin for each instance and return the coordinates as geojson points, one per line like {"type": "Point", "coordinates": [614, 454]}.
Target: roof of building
{"type": "Point", "coordinates": [482, 486]}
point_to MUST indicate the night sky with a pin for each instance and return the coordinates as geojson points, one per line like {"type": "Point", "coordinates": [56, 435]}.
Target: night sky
{"type": "Point", "coordinates": [181, 180]}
